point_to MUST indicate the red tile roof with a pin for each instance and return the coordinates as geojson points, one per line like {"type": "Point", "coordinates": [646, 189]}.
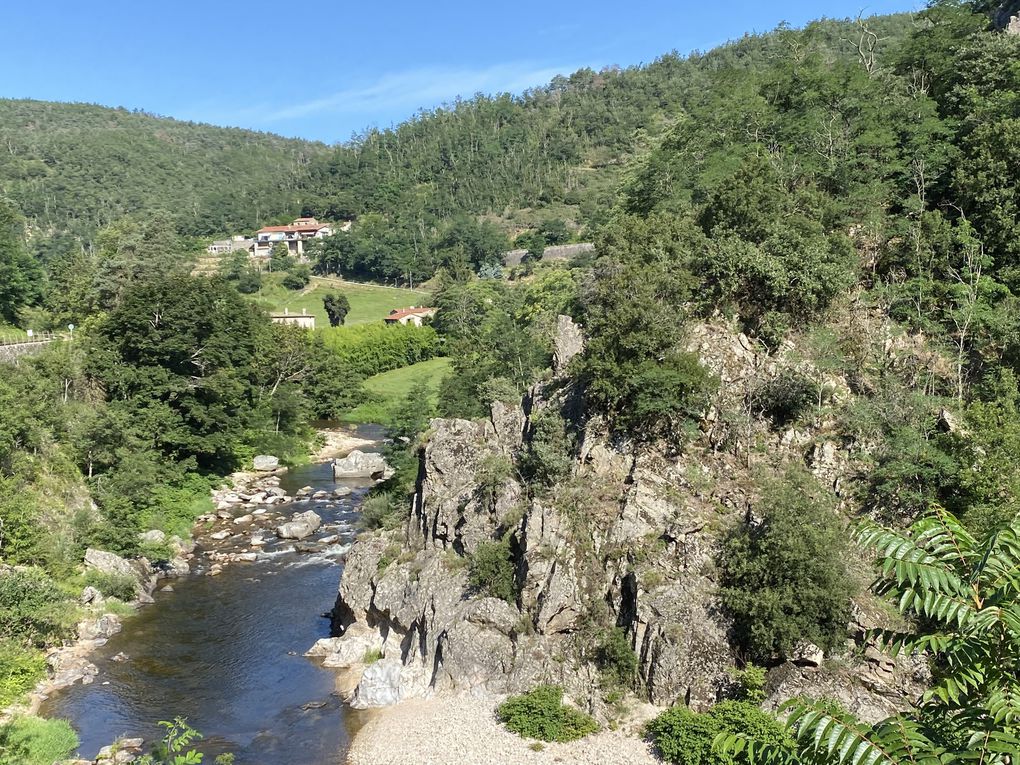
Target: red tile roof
{"type": "Point", "coordinates": [397, 314]}
{"type": "Point", "coordinates": [271, 229]}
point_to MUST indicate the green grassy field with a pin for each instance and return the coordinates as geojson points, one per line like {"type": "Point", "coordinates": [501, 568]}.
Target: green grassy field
{"type": "Point", "coordinates": [369, 302]}
{"type": "Point", "coordinates": [10, 334]}
{"type": "Point", "coordinates": [392, 387]}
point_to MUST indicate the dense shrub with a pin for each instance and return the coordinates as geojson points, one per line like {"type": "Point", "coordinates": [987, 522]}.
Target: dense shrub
{"type": "Point", "coordinates": [785, 397]}
{"type": "Point", "coordinates": [616, 659]}
{"type": "Point", "coordinates": [369, 349]}
{"type": "Point", "coordinates": [542, 714]}
{"type": "Point", "coordinates": [785, 578]}
{"type": "Point", "coordinates": [33, 610]}
{"type": "Point", "coordinates": [120, 586]}
{"type": "Point", "coordinates": [297, 277]}
{"type": "Point", "coordinates": [750, 683]}
{"type": "Point", "coordinates": [665, 397]}
{"type": "Point", "coordinates": [685, 737]}
{"type": "Point", "coordinates": [35, 741]}
{"type": "Point", "coordinates": [549, 454]}
{"type": "Point", "coordinates": [249, 281]}
{"type": "Point", "coordinates": [491, 571]}
{"type": "Point", "coordinates": [380, 511]}
{"type": "Point", "coordinates": [20, 669]}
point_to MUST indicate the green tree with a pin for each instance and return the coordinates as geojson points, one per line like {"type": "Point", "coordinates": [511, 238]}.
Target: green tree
{"type": "Point", "coordinates": [337, 307]}
{"type": "Point", "coordinates": [491, 571]}
{"type": "Point", "coordinates": [133, 250]}
{"type": "Point", "coordinates": [179, 354]}
{"type": "Point", "coordinates": [280, 258]}
{"type": "Point", "coordinates": [962, 593]}
{"type": "Point", "coordinates": [534, 242]}
{"type": "Point", "coordinates": [784, 578]}
{"type": "Point", "coordinates": [19, 275]}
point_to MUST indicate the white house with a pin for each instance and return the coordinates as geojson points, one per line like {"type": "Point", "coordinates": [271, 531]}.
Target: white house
{"type": "Point", "coordinates": [415, 315]}
{"type": "Point", "coordinates": [303, 319]}
{"type": "Point", "coordinates": [294, 236]}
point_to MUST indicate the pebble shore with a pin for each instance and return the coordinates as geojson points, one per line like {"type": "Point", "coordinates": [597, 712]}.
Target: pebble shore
{"type": "Point", "coordinates": [463, 730]}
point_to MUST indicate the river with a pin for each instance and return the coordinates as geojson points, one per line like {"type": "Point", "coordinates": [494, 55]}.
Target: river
{"type": "Point", "coordinates": [227, 651]}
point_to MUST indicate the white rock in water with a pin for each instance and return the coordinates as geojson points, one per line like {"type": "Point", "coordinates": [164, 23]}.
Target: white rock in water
{"type": "Point", "coordinates": [300, 526]}
{"type": "Point", "coordinates": [265, 462]}
{"type": "Point", "coordinates": [220, 535]}
{"type": "Point", "coordinates": [359, 464]}
{"type": "Point", "coordinates": [244, 519]}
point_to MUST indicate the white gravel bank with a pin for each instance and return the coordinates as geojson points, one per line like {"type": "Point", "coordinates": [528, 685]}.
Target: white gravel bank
{"type": "Point", "coordinates": [463, 730]}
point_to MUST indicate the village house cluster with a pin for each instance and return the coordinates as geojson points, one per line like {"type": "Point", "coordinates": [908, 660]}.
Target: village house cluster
{"type": "Point", "coordinates": [295, 236]}
{"type": "Point", "coordinates": [260, 247]}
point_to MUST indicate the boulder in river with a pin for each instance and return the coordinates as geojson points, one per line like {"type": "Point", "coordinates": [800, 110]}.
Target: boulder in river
{"type": "Point", "coordinates": [266, 462]}
{"type": "Point", "coordinates": [300, 525]}
{"type": "Point", "coordinates": [359, 464]}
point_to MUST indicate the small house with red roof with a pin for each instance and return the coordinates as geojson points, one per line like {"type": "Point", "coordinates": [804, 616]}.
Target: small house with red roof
{"type": "Point", "coordinates": [415, 315]}
{"type": "Point", "coordinates": [294, 236]}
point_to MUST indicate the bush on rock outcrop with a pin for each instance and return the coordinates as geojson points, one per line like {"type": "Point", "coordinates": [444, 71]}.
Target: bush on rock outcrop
{"type": "Point", "coordinates": [542, 714]}
{"type": "Point", "coordinates": [491, 571]}
{"type": "Point", "coordinates": [785, 578]}
{"type": "Point", "coordinates": [112, 585]}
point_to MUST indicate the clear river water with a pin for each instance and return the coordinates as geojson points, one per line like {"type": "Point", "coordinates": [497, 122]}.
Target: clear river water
{"type": "Point", "coordinates": [227, 651]}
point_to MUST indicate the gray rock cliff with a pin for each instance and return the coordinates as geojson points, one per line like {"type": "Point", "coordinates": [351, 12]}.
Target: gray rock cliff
{"type": "Point", "coordinates": [629, 539]}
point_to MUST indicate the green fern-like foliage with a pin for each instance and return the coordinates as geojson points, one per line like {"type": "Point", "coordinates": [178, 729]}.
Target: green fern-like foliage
{"type": "Point", "coordinates": [964, 593]}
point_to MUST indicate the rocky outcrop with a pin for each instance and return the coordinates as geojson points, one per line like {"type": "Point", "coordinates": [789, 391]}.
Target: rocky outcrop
{"type": "Point", "coordinates": [1007, 17]}
{"type": "Point", "coordinates": [629, 540]}
{"type": "Point", "coordinates": [139, 569]}
{"type": "Point", "coordinates": [568, 342]}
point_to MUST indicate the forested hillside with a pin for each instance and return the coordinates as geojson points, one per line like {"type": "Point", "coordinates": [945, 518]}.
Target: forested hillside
{"type": "Point", "coordinates": [798, 367]}
{"type": "Point", "coordinates": [550, 160]}
{"type": "Point", "coordinates": [73, 168]}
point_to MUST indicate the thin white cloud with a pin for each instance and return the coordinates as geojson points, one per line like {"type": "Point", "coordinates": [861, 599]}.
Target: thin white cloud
{"type": "Point", "coordinates": [420, 88]}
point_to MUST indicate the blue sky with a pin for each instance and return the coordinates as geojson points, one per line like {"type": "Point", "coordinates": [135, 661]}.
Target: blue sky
{"type": "Point", "coordinates": [324, 70]}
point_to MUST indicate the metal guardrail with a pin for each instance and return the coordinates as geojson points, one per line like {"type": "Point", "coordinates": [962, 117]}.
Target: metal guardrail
{"type": "Point", "coordinates": [37, 337]}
